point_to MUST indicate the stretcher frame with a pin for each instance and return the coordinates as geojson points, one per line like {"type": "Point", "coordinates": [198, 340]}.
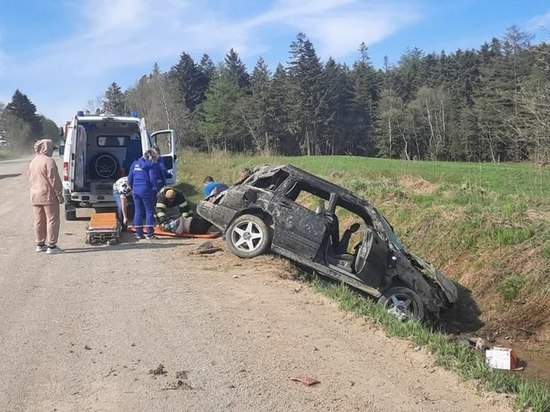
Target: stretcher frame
{"type": "Point", "coordinates": [104, 228]}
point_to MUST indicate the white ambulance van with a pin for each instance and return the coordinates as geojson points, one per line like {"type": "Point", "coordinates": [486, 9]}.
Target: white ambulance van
{"type": "Point", "coordinates": [100, 149]}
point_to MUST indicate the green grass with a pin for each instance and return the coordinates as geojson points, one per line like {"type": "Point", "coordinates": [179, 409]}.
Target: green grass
{"type": "Point", "coordinates": [510, 287]}
{"type": "Point", "coordinates": [504, 179]}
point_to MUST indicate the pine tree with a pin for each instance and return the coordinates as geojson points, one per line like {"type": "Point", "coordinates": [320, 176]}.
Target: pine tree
{"type": "Point", "coordinates": [23, 109]}
{"type": "Point", "coordinates": [191, 81]}
{"type": "Point", "coordinates": [113, 103]}
{"type": "Point", "coordinates": [284, 142]}
{"type": "Point", "coordinates": [365, 98]}
{"type": "Point", "coordinates": [223, 126]}
{"type": "Point", "coordinates": [237, 69]}
{"type": "Point", "coordinates": [337, 105]}
{"type": "Point", "coordinates": [259, 113]}
{"type": "Point", "coordinates": [207, 67]}
{"type": "Point", "coordinates": [305, 71]}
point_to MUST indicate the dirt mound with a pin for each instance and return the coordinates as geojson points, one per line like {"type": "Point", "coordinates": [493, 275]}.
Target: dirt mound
{"type": "Point", "coordinates": [417, 185]}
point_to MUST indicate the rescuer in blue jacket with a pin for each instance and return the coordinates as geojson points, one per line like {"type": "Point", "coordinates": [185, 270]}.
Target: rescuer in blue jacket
{"type": "Point", "coordinates": [143, 180]}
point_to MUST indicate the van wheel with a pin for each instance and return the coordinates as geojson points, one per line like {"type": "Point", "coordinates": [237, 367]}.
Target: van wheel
{"type": "Point", "coordinates": [248, 236]}
{"type": "Point", "coordinates": [70, 214]}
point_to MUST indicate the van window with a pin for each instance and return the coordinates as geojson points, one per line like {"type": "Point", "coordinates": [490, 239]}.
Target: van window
{"type": "Point", "coordinates": [112, 141]}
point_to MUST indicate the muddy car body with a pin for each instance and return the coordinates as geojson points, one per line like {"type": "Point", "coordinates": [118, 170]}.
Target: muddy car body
{"type": "Point", "coordinates": [297, 215]}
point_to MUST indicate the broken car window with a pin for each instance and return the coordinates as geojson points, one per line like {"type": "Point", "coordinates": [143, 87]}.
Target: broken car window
{"type": "Point", "coordinates": [271, 182]}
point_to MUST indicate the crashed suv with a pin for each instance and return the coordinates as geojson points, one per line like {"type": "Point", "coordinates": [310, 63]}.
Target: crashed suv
{"type": "Point", "coordinates": [297, 215]}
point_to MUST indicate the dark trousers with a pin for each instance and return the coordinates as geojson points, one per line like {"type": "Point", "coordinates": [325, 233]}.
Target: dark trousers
{"type": "Point", "coordinates": [143, 203]}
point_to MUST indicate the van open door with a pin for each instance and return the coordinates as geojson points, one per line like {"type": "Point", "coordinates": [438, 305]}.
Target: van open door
{"type": "Point", "coordinates": [166, 142]}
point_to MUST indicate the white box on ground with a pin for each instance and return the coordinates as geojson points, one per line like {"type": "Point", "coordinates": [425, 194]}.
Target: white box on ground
{"type": "Point", "coordinates": [501, 358]}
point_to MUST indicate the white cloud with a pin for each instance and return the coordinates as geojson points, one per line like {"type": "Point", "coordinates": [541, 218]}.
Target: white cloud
{"type": "Point", "coordinates": [541, 22]}
{"type": "Point", "coordinates": [340, 33]}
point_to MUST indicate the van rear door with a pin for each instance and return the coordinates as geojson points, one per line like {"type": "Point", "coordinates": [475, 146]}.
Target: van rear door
{"type": "Point", "coordinates": [166, 141]}
{"type": "Point", "coordinates": [69, 154]}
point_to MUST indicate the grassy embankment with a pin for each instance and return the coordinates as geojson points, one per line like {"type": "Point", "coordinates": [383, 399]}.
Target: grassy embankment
{"type": "Point", "coordinates": [487, 226]}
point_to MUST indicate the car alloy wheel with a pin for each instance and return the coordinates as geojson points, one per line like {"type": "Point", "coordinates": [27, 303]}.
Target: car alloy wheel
{"type": "Point", "coordinates": [248, 236]}
{"type": "Point", "coordinates": [403, 303]}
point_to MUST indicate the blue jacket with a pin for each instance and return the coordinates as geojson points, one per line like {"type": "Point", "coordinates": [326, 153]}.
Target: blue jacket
{"type": "Point", "coordinates": [219, 186]}
{"type": "Point", "coordinates": [142, 177]}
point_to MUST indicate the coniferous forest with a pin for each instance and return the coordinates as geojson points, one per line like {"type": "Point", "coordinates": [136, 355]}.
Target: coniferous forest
{"type": "Point", "coordinates": [491, 104]}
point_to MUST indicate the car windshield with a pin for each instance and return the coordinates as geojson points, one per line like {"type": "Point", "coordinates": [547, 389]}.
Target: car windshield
{"type": "Point", "coordinates": [391, 234]}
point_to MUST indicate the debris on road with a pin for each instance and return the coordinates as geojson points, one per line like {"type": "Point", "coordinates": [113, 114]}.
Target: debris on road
{"type": "Point", "coordinates": [181, 375]}
{"type": "Point", "coordinates": [305, 379]}
{"type": "Point", "coordinates": [207, 248]}
{"type": "Point", "coordinates": [158, 371]}
{"type": "Point", "coordinates": [179, 382]}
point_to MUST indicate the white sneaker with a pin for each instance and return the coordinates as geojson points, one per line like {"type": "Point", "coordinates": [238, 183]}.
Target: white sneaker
{"type": "Point", "coordinates": [53, 250]}
{"type": "Point", "coordinates": [40, 248]}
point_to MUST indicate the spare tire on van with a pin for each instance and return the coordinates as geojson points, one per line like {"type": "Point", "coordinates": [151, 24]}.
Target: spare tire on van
{"type": "Point", "coordinates": [103, 166]}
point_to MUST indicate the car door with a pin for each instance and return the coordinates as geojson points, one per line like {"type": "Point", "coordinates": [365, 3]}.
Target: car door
{"type": "Point", "coordinates": [372, 258]}
{"type": "Point", "coordinates": [298, 229]}
{"type": "Point", "coordinates": [166, 141]}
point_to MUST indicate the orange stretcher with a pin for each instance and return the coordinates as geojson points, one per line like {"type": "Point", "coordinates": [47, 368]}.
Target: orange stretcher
{"type": "Point", "coordinates": [103, 228]}
{"type": "Point", "coordinates": [160, 232]}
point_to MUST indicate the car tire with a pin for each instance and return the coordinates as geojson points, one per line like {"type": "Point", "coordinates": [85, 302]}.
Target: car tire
{"type": "Point", "coordinates": [403, 302]}
{"type": "Point", "coordinates": [248, 236]}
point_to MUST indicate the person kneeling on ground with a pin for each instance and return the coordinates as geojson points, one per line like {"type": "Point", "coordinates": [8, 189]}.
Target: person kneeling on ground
{"type": "Point", "coordinates": [175, 216]}
{"type": "Point", "coordinates": [171, 205]}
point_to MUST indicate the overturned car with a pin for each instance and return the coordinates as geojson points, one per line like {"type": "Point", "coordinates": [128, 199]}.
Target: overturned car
{"type": "Point", "coordinates": [297, 215]}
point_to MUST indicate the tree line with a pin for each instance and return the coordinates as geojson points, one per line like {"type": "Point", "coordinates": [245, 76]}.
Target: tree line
{"type": "Point", "coordinates": [21, 126]}
{"type": "Point", "coordinates": [490, 104]}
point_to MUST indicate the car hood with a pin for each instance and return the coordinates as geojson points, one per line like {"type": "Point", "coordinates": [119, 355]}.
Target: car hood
{"type": "Point", "coordinates": [449, 288]}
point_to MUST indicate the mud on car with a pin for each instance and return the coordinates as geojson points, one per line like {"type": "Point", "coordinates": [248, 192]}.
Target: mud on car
{"type": "Point", "coordinates": [297, 215]}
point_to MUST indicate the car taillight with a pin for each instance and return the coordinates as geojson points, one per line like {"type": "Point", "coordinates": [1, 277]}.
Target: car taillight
{"type": "Point", "coordinates": [66, 171]}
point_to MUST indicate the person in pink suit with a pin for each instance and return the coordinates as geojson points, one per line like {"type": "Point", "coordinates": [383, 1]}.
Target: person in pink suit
{"type": "Point", "coordinates": [46, 193]}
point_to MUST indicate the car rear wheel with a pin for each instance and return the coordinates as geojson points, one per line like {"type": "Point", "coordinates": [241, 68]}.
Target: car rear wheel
{"type": "Point", "coordinates": [248, 236]}
{"type": "Point", "coordinates": [403, 303]}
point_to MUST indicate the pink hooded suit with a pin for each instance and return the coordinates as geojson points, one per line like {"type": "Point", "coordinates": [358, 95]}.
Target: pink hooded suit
{"type": "Point", "coordinates": [46, 193]}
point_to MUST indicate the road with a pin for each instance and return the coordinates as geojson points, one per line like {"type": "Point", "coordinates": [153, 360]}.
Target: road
{"type": "Point", "coordinates": [86, 330]}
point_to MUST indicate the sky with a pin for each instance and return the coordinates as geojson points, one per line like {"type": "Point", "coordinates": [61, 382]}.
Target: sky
{"type": "Point", "coordinates": [64, 53]}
